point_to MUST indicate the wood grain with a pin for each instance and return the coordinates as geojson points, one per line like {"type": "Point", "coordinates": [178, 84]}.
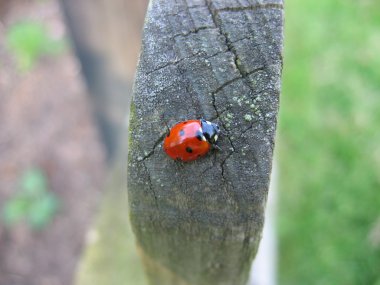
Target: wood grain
{"type": "Point", "coordinates": [200, 223]}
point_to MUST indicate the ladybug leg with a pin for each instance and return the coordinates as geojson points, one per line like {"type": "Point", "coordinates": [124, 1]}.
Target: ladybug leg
{"type": "Point", "coordinates": [215, 146]}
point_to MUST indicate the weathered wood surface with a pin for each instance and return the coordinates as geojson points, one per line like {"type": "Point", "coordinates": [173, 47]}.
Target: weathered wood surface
{"type": "Point", "coordinates": [200, 223]}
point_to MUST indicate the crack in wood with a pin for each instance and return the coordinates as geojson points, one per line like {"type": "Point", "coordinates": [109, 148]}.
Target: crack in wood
{"type": "Point", "coordinates": [156, 143]}
{"type": "Point", "coordinates": [251, 7]}
{"type": "Point", "coordinates": [228, 42]}
{"type": "Point", "coordinates": [175, 62]}
{"type": "Point", "coordinates": [193, 31]}
{"type": "Point", "coordinates": [151, 185]}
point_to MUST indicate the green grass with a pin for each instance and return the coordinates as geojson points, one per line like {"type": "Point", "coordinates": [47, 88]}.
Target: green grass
{"type": "Point", "coordinates": [330, 144]}
{"type": "Point", "coordinates": [33, 204]}
{"type": "Point", "coordinates": [28, 41]}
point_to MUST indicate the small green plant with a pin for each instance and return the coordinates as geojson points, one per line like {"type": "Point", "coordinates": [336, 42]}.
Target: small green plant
{"type": "Point", "coordinates": [29, 40]}
{"type": "Point", "coordinates": [33, 204]}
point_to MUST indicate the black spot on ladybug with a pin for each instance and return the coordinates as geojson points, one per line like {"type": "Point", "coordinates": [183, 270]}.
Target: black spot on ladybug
{"type": "Point", "coordinates": [168, 134]}
{"type": "Point", "coordinates": [189, 149]}
{"type": "Point", "coordinates": [199, 135]}
{"type": "Point", "coordinates": [181, 133]}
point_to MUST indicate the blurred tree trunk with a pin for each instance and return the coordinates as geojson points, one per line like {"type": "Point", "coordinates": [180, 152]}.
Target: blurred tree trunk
{"type": "Point", "coordinates": [106, 37]}
{"type": "Point", "coordinates": [200, 223]}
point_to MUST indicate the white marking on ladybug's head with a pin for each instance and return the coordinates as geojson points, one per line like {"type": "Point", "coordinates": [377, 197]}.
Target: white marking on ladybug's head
{"type": "Point", "coordinates": [203, 137]}
{"type": "Point", "coordinates": [210, 131]}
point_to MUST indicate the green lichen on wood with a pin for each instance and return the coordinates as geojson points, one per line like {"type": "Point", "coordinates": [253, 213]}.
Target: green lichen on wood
{"type": "Point", "coordinates": [132, 123]}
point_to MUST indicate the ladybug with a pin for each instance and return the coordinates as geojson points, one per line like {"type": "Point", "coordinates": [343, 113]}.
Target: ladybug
{"type": "Point", "coordinates": [191, 139]}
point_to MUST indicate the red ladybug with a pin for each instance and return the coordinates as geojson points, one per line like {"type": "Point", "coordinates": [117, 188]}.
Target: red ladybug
{"type": "Point", "coordinates": [191, 139]}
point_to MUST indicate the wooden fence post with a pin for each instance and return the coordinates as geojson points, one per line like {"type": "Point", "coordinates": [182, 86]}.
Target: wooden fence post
{"type": "Point", "coordinates": [200, 223]}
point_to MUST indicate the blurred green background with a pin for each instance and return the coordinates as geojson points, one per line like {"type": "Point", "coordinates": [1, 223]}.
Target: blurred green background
{"type": "Point", "coordinates": [328, 144]}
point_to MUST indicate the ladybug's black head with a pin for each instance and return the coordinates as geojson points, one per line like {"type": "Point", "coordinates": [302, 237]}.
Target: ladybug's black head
{"type": "Point", "coordinates": [210, 131]}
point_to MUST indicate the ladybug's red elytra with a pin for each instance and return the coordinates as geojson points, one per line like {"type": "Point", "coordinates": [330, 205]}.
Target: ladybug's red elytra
{"type": "Point", "coordinates": [191, 139]}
